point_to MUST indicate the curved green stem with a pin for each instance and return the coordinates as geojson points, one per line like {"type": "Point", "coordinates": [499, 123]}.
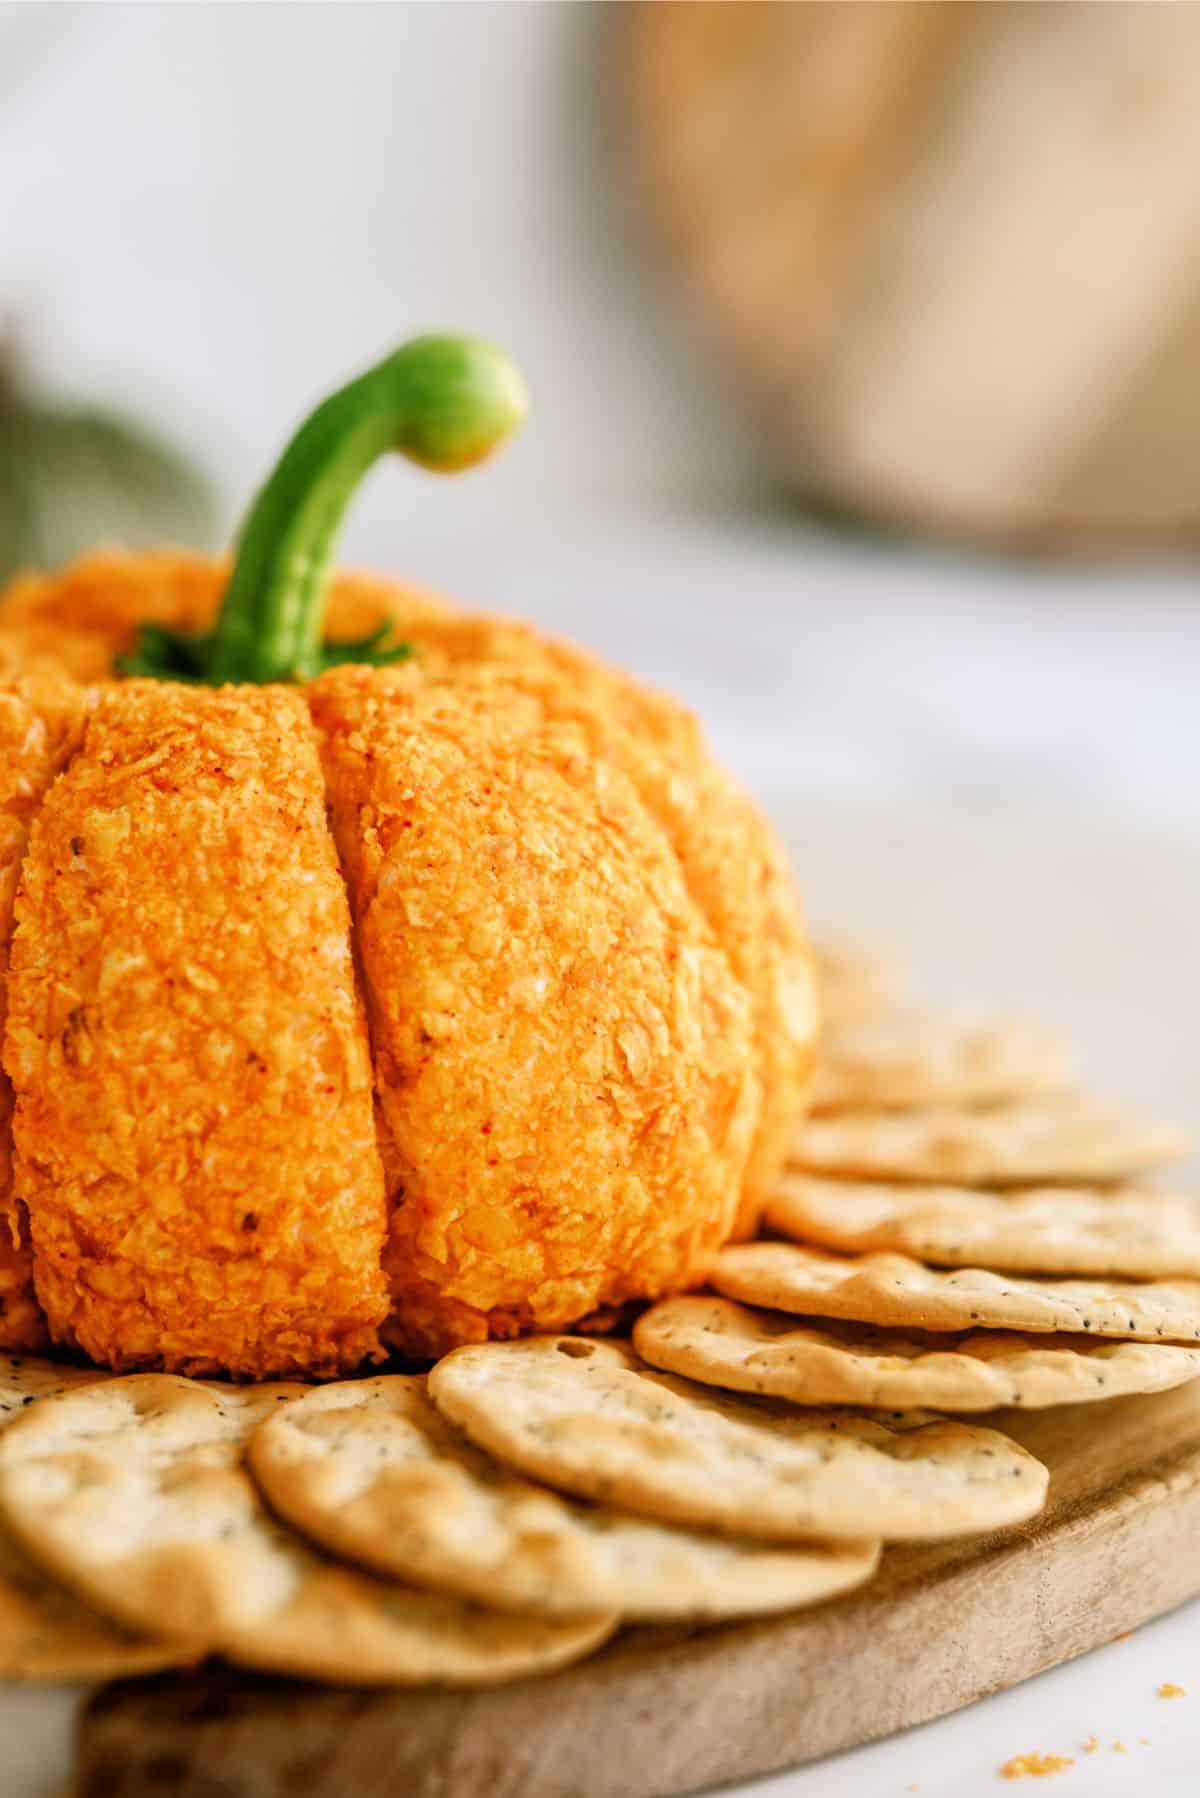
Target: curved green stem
{"type": "Point", "coordinates": [444, 402]}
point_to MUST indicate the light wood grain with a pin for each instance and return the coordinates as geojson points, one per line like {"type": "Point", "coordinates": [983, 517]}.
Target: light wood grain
{"type": "Point", "coordinates": [952, 251]}
{"type": "Point", "coordinates": [664, 1712]}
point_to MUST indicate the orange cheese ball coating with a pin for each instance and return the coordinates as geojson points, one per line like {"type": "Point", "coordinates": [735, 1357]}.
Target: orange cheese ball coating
{"type": "Point", "coordinates": [562, 1050]}
{"type": "Point", "coordinates": [730, 857]}
{"type": "Point", "coordinates": [684, 1139]}
{"type": "Point", "coordinates": [40, 724]}
{"type": "Point", "coordinates": [79, 621]}
{"type": "Point", "coordinates": [194, 1137]}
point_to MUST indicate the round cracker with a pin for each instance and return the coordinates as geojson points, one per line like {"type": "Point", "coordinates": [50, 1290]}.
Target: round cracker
{"type": "Point", "coordinates": [900, 1293]}
{"type": "Point", "coordinates": [1012, 1145]}
{"type": "Point", "coordinates": [45, 1632]}
{"type": "Point", "coordinates": [904, 1061]}
{"type": "Point", "coordinates": [855, 983]}
{"type": "Point", "coordinates": [835, 1363]}
{"type": "Point", "coordinates": [1124, 1233]}
{"type": "Point", "coordinates": [373, 1471]}
{"type": "Point", "coordinates": [134, 1493]}
{"type": "Point", "coordinates": [589, 1417]}
{"type": "Point", "coordinates": [24, 1379]}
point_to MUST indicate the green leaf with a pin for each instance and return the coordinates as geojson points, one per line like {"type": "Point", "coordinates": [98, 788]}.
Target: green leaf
{"type": "Point", "coordinates": [161, 654]}
{"type": "Point", "coordinates": [73, 477]}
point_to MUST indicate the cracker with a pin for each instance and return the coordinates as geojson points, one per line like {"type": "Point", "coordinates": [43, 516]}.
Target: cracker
{"type": "Point", "coordinates": [45, 1633]}
{"type": "Point", "coordinates": [371, 1470]}
{"type": "Point", "coordinates": [835, 1363]}
{"type": "Point", "coordinates": [26, 1378]}
{"type": "Point", "coordinates": [904, 1061]}
{"type": "Point", "coordinates": [1014, 1145]}
{"type": "Point", "coordinates": [854, 982]}
{"type": "Point", "coordinates": [48, 1636]}
{"type": "Point", "coordinates": [898, 1292]}
{"type": "Point", "coordinates": [589, 1417]}
{"type": "Point", "coordinates": [1125, 1232]}
{"type": "Point", "coordinates": [134, 1493]}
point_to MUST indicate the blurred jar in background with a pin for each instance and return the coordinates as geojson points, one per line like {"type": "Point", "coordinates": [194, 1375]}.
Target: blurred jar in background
{"type": "Point", "coordinates": [951, 251]}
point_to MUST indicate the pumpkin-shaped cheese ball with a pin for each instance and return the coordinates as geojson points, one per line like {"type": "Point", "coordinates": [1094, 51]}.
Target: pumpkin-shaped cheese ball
{"type": "Point", "coordinates": [361, 996]}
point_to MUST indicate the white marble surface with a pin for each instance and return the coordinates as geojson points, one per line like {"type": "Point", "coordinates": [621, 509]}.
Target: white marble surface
{"type": "Point", "coordinates": [996, 769]}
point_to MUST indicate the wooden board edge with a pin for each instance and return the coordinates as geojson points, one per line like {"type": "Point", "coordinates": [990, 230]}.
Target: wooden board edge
{"type": "Point", "coordinates": [675, 1712]}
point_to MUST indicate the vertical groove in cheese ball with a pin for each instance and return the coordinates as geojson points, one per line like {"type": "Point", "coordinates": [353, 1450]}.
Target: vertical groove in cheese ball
{"type": "Point", "coordinates": [609, 914]}
{"type": "Point", "coordinates": [41, 722]}
{"type": "Point", "coordinates": [729, 855]}
{"type": "Point", "coordinates": [562, 1050]}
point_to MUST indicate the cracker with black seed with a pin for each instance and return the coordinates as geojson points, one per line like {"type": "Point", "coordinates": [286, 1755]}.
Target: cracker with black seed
{"type": "Point", "coordinates": [832, 1362]}
{"type": "Point", "coordinates": [135, 1494]}
{"type": "Point", "coordinates": [1124, 1232]}
{"type": "Point", "coordinates": [1032, 1143]}
{"type": "Point", "coordinates": [590, 1418]}
{"type": "Point", "coordinates": [370, 1469]}
{"type": "Point", "coordinates": [898, 1292]}
{"type": "Point", "coordinates": [46, 1634]}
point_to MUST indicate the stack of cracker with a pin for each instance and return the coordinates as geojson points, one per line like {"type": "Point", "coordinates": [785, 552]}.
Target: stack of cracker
{"type": "Point", "coordinates": [961, 1230]}
{"type": "Point", "coordinates": [751, 1450]}
{"type": "Point", "coordinates": [499, 1517]}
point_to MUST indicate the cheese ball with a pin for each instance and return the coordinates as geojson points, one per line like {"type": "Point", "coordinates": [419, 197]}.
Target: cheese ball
{"type": "Point", "coordinates": [474, 983]}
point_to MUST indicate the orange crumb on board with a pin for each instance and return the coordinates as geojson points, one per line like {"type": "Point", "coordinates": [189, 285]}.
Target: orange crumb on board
{"type": "Point", "coordinates": [1091, 1745]}
{"type": "Point", "coordinates": [1167, 1690]}
{"type": "Point", "coordinates": [1143, 1741]}
{"type": "Point", "coordinates": [1120, 1748]}
{"type": "Point", "coordinates": [1035, 1766]}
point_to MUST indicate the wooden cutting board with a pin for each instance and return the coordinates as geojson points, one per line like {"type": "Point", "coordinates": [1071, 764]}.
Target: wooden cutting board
{"type": "Point", "coordinates": [671, 1711]}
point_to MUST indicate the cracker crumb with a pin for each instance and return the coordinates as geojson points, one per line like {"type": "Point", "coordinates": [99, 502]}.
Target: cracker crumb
{"type": "Point", "coordinates": [1091, 1745]}
{"type": "Point", "coordinates": [1035, 1766]}
{"type": "Point", "coordinates": [1167, 1690]}
{"type": "Point", "coordinates": [1120, 1748]}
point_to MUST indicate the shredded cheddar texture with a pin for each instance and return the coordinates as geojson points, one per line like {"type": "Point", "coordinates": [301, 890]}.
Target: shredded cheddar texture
{"type": "Point", "coordinates": [424, 1004]}
{"type": "Point", "coordinates": [40, 727]}
{"type": "Point", "coordinates": [1035, 1766]}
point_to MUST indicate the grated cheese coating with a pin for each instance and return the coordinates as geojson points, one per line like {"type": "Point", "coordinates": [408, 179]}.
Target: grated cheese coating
{"type": "Point", "coordinates": [639, 1105]}
{"type": "Point", "coordinates": [194, 1136]}
{"type": "Point", "coordinates": [562, 1051]}
{"type": "Point", "coordinates": [41, 722]}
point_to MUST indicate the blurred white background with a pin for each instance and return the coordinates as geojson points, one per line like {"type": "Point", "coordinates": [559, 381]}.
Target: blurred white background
{"type": "Point", "coordinates": [215, 212]}
{"type": "Point", "coordinates": [229, 207]}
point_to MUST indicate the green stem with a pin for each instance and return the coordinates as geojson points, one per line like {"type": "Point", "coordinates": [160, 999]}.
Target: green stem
{"type": "Point", "coordinates": [444, 402]}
